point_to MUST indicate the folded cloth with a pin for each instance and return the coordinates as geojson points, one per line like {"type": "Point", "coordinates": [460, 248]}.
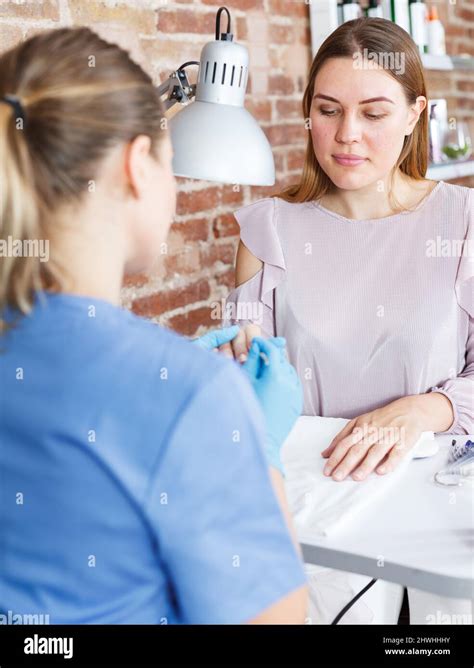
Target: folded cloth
{"type": "Point", "coordinates": [318, 503]}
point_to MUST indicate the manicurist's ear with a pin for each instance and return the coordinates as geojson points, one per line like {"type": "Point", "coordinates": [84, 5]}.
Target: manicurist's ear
{"type": "Point", "coordinates": [137, 156]}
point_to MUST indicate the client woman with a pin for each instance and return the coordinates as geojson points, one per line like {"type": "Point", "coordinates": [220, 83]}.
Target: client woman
{"type": "Point", "coordinates": [379, 327]}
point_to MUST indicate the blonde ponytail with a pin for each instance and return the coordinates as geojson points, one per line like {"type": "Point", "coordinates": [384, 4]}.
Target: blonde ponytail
{"type": "Point", "coordinates": [19, 215]}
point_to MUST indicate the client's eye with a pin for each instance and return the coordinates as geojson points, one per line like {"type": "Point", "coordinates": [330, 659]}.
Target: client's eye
{"type": "Point", "coordinates": [333, 112]}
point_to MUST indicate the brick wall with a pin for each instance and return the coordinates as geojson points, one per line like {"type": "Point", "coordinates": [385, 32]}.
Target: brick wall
{"type": "Point", "coordinates": [162, 34]}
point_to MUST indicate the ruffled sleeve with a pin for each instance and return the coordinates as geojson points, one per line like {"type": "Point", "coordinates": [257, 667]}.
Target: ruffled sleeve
{"type": "Point", "coordinates": [253, 301]}
{"type": "Point", "coordinates": [460, 390]}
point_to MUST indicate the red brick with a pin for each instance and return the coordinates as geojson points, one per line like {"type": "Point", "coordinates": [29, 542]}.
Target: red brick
{"type": "Point", "coordinates": [466, 86]}
{"type": "Point", "coordinates": [260, 109]}
{"type": "Point", "coordinates": [458, 46]}
{"type": "Point", "coordinates": [240, 27]}
{"type": "Point", "coordinates": [464, 46]}
{"type": "Point", "coordinates": [288, 8]}
{"type": "Point", "coordinates": [454, 30]}
{"type": "Point", "coordinates": [243, 5]}
{"type": "Point", "coordinates": [278, 34]}
{"type": "Point", "coordinates": [289, 109]}
{"type": "Point", "coordinates": [466, 103]}
{"type": "Point", "coordinates": [291, 134]}
{"type": "Point", "coordinates": [225, 226]}
{"type": "Point", "coordinates": [304, 35]}
{"type": "Point", "coordinates": [192, 230]}
{"type": "Point", "coordinates": [279, 84]}
{"type": "Point", "coordinates": [279, 161]}
{"type": "Point", "coordinates": [188, 323]}
{"type": "Point", "coordinates": [295, 159]}
{"type": "Point", "coordinates": [135, 280]}
{"type": "Point", "coordinates": [185, 261]}
{"type": "Point", "coordinates": [185, 21]}
{"type": "Point", "coordinates": [224, 253]}
{"type": "Point", "coordinates": [465, 13]}
{"type": "Point", "coordinates": [167, 300]}
{"type": "Point", "coordinates": [231, 197]}
{"type": "Point", "coordinates": [195, 201]}
{"type": "Point", "coordinates": [227, 278]}
{"type": "Point", "coordinates": [96, 11]}
{"type": "Point", "coordinates": [30, 9]}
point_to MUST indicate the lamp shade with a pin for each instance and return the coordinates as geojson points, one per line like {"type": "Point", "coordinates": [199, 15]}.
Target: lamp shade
{"type": "Point", "coordinates": [215, 138]}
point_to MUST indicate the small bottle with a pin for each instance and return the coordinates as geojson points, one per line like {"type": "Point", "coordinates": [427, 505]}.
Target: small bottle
{"type": "Point", "coordinates": [339, 13]}
{"type": "Point", "coordinates": [435, 137]}
{"type": "Point", "coordinates": [350, 10]}
{"type": "Point", "coordinates": [387, 10]}
{"type": "Point", "coordinates": [400, 14]}
{"type": "Point", "coordinates": [436, 36]}
{"type": "Point", "coordinates": [374, 9]}
{"type": "Point", "coordinates": [418, 27]}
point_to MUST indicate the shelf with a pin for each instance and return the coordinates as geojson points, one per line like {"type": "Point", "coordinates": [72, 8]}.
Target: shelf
{"type": "Point", "coordinates": [450, 170]}
{"type": "Point", "coordinates": [431, 62]}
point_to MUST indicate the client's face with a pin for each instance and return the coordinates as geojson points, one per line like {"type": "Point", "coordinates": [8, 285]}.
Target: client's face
{"type": "Point", "coordinates": [367, 118]}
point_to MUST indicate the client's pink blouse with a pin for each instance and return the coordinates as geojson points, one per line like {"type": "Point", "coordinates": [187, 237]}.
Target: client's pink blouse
{"type": "Point", "coordinates": [372, 310]}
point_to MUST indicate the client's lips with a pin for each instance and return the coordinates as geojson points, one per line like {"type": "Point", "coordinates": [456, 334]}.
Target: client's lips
{"type": "Point", "coordinates": [348, 159]}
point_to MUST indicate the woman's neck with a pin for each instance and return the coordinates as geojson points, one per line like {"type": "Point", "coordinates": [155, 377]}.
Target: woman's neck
{"type": "Point", "coordinates": [373, 201]}
{"type": "Point", "coordinates": [89, 252]}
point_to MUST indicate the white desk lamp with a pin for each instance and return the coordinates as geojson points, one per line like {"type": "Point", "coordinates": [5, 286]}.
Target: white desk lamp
{"type": "Point", "coordinates": [215, 138]}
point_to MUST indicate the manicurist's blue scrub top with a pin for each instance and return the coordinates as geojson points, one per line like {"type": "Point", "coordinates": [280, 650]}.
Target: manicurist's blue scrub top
{"type": "Point", "coordinates": [133, 484]}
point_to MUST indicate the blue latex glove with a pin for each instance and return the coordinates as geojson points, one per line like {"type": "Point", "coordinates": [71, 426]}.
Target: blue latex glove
{"type": "Point", "coordinates": [278, 389]}
{"type": "Point", "coordinates": [217, 337]}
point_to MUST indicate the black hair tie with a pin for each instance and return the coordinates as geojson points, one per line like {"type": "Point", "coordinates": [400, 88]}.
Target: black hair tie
{"type": "Point", "coordinates": [14, 102]}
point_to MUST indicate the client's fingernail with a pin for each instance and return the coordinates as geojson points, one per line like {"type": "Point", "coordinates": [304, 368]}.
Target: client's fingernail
{"type": "Point", "coordinates": [382, 469]}
{"type": "Point", "coordinates": [242, 357]}
{"type": "Point", "coordinates": [338, 476]}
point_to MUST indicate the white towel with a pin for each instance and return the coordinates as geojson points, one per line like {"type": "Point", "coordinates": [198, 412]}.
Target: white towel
{"type": "Point", "coordinates": [319, 504]}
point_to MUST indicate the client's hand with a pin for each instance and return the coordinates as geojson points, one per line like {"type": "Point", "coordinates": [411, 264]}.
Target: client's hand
{"type": "Point", "coordinates": [377, 440]}
{"type": "Point", "coordinates": [278, 390]}
{"type": "Point", "coordinates": [240, 345]}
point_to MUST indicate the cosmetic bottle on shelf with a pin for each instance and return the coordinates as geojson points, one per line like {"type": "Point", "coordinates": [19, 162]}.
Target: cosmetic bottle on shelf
{"type": "Point", "coordinates": [350, 10]}
{"type": "Point", "coordinates": [436, 36]}
{"type": "Point", "coordinates": [386, 9]}
{"type": "Point", "coordinates": [375, 9]}
{"type": "Point", "coordinates": [435, 137]}
{"type": "Point", "coordinates": [400, 14]}
{"type": "Point", "coordinates": [418, 24]}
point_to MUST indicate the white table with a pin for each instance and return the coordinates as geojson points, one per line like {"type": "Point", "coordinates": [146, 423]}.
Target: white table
{"type": "Point", "coordinates": [423, 533]}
